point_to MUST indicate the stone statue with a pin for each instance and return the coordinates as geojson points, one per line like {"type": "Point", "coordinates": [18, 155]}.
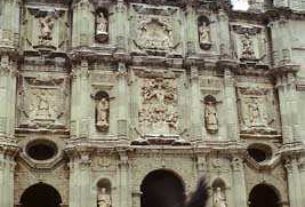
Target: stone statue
{"type": "Point", "coordinates": [46, 28]}
{"type": "Point", "coordinates": [210, 116]}
{"type": "Point", "coordinates": [247, 47]}
{"type": "Point", "coordinates": [103, 198]}
{"type": "Point", "coordinates": [256, 116]}
{"type": "Point", "coordinates": [101, 24]}
{"type": "Point", "coordinates": [204, 33]}
{"type": "Point", "coordinates": [102, 109]}
{"type": "Point", "coordinates": [219, 199]}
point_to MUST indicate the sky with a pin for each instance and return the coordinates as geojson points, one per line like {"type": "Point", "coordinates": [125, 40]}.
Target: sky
{"type": "Point", "coordinates": [240, 4]}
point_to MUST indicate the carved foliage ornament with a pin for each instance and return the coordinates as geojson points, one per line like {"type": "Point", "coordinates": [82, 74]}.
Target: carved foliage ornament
{"type": "Point", "coordinates": [158, 113]}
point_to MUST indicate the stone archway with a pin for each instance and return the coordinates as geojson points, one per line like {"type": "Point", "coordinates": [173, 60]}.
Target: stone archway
{"type": "Point", "coordinates": [263, 195]}
{"type": "Point", "coordinates": [162, 188]}
{"type": "Point", "coordinates": [39, 195]}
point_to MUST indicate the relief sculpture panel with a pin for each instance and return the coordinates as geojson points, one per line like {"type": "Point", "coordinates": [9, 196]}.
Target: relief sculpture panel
{"type": "Point", "coordinates": [158, 113]}
{"type": "Point", "coordinates": [154, 34]}
{"type": "Point", "coordinates": [255, 111]}
{"type": "Point", "coordinates": [42, 102]}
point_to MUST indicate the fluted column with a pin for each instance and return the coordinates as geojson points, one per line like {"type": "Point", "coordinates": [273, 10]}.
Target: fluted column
{"type": "Point", "coordinates": [191, 30]}
{"type": "Point", "coordinates": [7, 169]}
{"type": "Point", "coordinates": [122, 100]}
{"type": "Point", "coordinates": [80, 175]}
{"type": "Point", "coordinates": [125, 193]}
{"type": "Point", "coordinates": [224, 35]}
{"type": "Point", "coordinates": [80, 99]}
{"type": "Point", "coordinates": [83, 23]}
{"type": "Point", "coordinates": [294, 185]}
{"type": "Point", "coordinates": [196, 120]}
{"type": "Point", "coordinates": [301, 163]}
{"type": "Point", "coordinates": [121, 25]}
{"type": "Point", "coordinates": [232, 127]}
{"type": "Point", "coordinates": [239, 182]}
{"type": "Point", "coordinates": [10, 27]}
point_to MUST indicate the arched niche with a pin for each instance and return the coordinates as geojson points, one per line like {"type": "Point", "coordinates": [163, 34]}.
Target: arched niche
{"type": "Point", "coordinates": [104, 190]}
{"type": "Point", "coordinates": [101, 25]}
{"type": "Point", "coordinates": [102, 111]}
{"type": "Point", "coordinates": [162, 188]}
{"type": "Point", "coordinates": [219, 197]}
{"type": "Point", "coordinates": [39, 195]}
{"type": "Point", "coordinates": [210, 114]}
{"type": "Point", "coordinates": [264, 195]}
{"type": "Point", "coordinates": [204, 32]}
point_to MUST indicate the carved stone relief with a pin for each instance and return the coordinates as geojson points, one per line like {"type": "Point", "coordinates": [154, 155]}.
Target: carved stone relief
{"type": "Point", "coordinates": [219, 198]}
{"type": "Point", "coordinates": [248, 42]}
{"type": "Point", "coordinates": [158, 113]}
{"type": "Point", "coordinates": [42, 102]}
{"type": "Point", "coordinates": [52, 27]}
{"type": "Point", "coordinates": [253, 111]}
{"type": "Point", "coordinates": [103, 198]}
{"type": "Point", "coordinates": [154, 34]}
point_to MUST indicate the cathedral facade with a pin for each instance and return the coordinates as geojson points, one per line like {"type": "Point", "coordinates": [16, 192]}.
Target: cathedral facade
{"type": "Point", "coordinates": [109, 103]}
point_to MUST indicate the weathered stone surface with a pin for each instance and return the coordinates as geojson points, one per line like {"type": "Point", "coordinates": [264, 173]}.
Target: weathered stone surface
{"type": "Point", "coordinates": [106, 92]}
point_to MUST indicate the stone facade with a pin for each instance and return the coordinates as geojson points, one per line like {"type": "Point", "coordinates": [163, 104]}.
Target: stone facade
{"type": "Point", "coordinates": [97, 94]}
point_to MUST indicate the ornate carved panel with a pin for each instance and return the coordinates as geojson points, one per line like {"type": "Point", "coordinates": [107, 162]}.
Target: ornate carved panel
{"type": "Point", "coordinates": [250, 43]}
{"type": "Point", "coordinates": [256, 108]}
{"type": "Point", "coordinates": [51, 26]}
{"type": "Point", "coordinates": [158, 113]}
{"type": "Point", "coordinates": [42, 102]}
{"type": "Point", "coordinates": [155, 30]}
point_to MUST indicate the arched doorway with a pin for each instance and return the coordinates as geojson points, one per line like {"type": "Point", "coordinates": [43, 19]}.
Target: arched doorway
{"type": "Point", "coordinates": [263, 195]}
{"type": "Point", "coordinates": [39, 195]}
{"type": "Point", "coordinates": [162, 188]}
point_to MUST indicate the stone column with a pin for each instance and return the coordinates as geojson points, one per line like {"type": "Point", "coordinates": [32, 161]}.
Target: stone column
{"type": "Point", "coordinates": [239, 183]}
{"type": "Point", "coordinates": [125, 193]}
{"type": "Point", "coordinates": [232, 122]}
{"type": "Point", "coordinates": [191, 30]}
{"type": "Point", "coordinates": [121, 24]}
{"type": "Point", "coordinates": [8, 68]}
{"type": "Point", "coordinates": [11, 16]}
{"type": "Point", "coordinates": [224, 35]}
{"type": "Point", "coordinates": [7, 169]}
{"type": "Point", "coordinates": [301, 163]}
{"type": "Point", "coordinates": [80, 185]}
{"type": "Point", "coordinates": [83, 23]}
{"type": "Point", "coordinates": [122, 124]}
{"type": "Point", "coordinates": [196, 105]}
{"type": "Point", "coordinates": [80, 99]}
{"type": "Point", "coordinates": [294, 185]}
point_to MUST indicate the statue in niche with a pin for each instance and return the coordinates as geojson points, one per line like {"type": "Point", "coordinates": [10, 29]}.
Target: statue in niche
{"type": "Point", "coordinates": [103, 198]}
{"type": "Point", "coordinates": [101, 27]}
{"type": "Point", "coordinates": [219, 199]}
{"type": "Point", "coordinates": [204, 35]}
{"type": "Point", "coordinates": [210, 114]}
{"type": "Point", "coordinates": [247, 47]}
{"type": "Point", "coordinates": [46, 28]}
{"type": "Point", "coordinates": [102, 110]}
{"type": "Point", "coordinates": [256, 115]}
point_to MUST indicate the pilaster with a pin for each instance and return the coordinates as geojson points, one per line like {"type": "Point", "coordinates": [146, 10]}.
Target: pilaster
{"type": "Point", "coordinates": [239, 182]}
{"type": "Point", "coordinates": [232, 125]}
{"type": "Point", "coordinates": [191, 29]}
{"type": "Point", "coordinates": [80, 99]}
{"type": "Point", "coordinates": [121, 26]}
{"type": "Point", "coordinates": [83, 23]}
{"type": "Point", "coordinates": [122, 100]}
{"type": "Point", "coordinates": [294, 185]}
{"type": "Point", "coordinates": [195, 102]}
{"type": "Point", "coordinates": [124, 180]}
